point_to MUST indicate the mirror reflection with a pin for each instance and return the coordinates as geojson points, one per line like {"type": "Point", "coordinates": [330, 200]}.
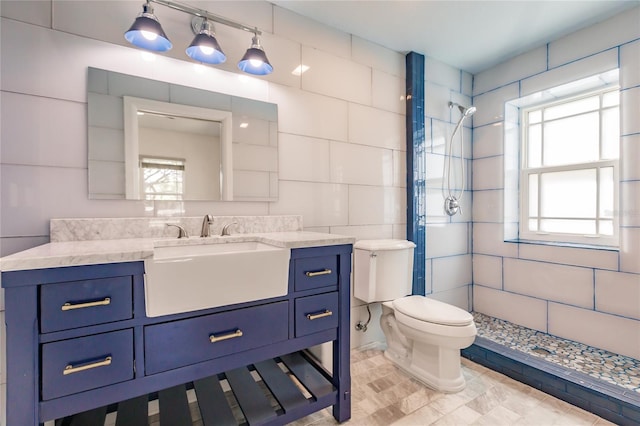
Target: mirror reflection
{"type": "Point", "coordinates": [160, 141]}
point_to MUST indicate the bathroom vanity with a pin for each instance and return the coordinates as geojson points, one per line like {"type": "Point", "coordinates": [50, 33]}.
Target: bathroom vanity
{"type": "Point", "coordinates": [80, 343]}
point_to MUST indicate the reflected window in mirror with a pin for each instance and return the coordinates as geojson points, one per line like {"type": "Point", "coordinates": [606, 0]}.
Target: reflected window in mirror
{"type": "Point", "coordinates": [162, 178]}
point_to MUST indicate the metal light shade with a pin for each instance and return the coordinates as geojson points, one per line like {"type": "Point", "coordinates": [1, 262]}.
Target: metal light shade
{"type": "Point", "coordinates": [147, 33]}
{"type": "Point", "coordinates": [255, 60]}
{"type": "Point", "coordinates": [205, 47]}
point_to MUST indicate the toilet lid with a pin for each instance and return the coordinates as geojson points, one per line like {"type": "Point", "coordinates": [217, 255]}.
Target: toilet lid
{"type": "Point", "coordinates": [434, 311]}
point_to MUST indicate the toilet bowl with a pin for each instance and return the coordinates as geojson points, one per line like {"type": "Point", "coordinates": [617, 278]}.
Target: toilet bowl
{"type": "Point", "coordinates": [424, 336]}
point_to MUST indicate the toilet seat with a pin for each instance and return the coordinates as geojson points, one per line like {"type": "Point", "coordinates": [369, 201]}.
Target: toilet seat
{"type": "Point", "coordinates": [432, 311]}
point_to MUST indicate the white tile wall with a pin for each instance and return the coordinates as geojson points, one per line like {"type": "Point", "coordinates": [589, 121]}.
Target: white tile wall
{"type": "Point", "coordinates": [359, 164]}
{"type": "Point", "coordinates": [451, 272]}
{"type": "Point", "coordinates": [488, 173]}
{"type": "Point", "coordinates": [320, 204]}
{"type": "Point", "coordinates": [488, 140]}
{"type": "Point", "coordinates": [439, 73]}
{"type": "Point", "coordinates": [629, 154]}
{"type": "Point", "coordinates": [629, 64]}
{"type": "Point", "coordinates": [630, 203]}
{"type": "Point", "coordinates": [586, 67]}
{"type": "Point", "coordinates": [526, 311]}
{"type": "Point", "coordinates": [488, 206]}
{"type": "Point", "coordinates": [488, 238]}
{"type": "Point", "coordinates": [388, 92]}
{"type": "Point", "coordinates": [487, 271]}
{"type": "Point", "coordinates": [298, 113]}
{"type": "Point", "coordinates": [374, 332]}
{"type": "Point", "coordinates": [391, 202]}
{"type": "Point", "coordinates": [522, 66]}
{"type": "Point", "coordinates": [549, 281]}
{"type": "Point", "coordinates": [36, 12]}
{"type": "Point", "coordinates": [378, 57]}
{"type": "Point", "coordinates": [456, 296]}
{"type": "Point", "coordinates": [303, 158]}
{"type": "Point", "coordinates": [335, 76]}
{"type": "Point", "coordinates": [490, 105]}
{"type": "Point", "coordinates": [447, 240]}
{"type": "Point", "coordinates": [612, 32]}
{"type": "Point", "coordinates": [618, 293]}
{"type": "Point", "coordinates": [613, 333]}
{"type": "Point", "coordinates": [374, 127]}
{"type": "Point", "coordinates": [630, 250]}
{"type": "Point", "coordinates": [630, 111]}
{"type": "Point", "coordinates": [436, 101]}
{"type": "Point", "coordinates": [603, 259]}
{"type": "Point", "coordinates": [366, 232]}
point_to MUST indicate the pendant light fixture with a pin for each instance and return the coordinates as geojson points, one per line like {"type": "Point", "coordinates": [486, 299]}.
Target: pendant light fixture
{"type": "Point", "coordinates": [205, 47]}
{"type": "Point", "coordinates": [146, 32]}
{"type": "Point", "coordinates": [255, 60]}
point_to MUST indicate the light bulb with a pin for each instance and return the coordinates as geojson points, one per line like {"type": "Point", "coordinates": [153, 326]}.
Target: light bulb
{"type": "Point", "coordinates": [207, 50]}
{"type": "Point", "coordinates": [255, 62]}
{"type": "Point", "coordinates": [149, 35]}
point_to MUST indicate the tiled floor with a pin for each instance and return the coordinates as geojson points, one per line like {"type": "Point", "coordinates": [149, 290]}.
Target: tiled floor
{"type": "Point", "coordinates": [384, 395]}
{"type": "Point", "coordinates": [603, 365]}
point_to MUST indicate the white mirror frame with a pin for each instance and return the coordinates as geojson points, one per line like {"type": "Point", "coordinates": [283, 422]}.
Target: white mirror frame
{"type": "Point", "coordinates": [132, 150]}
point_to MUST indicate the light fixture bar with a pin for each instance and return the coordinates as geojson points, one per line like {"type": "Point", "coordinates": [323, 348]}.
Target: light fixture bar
{"type": "Point", "coordinates": [206, 14]}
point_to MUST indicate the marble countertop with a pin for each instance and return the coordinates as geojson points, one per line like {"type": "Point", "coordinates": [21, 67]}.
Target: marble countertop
{"type": "Point", "coordinates": [73, 253]}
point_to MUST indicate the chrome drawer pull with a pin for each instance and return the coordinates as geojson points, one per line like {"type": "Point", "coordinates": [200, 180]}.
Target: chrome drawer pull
{"type": "Point", "coordinates": [69, 369]}
{"type": "Point", "coordinates": [213, 338]}
{"type": "Point", "coordinates": [68, 306]}
{"type": "Point", "coordinates": [326, 313]}
{"type": "Point", "coordinates": [315, 274]}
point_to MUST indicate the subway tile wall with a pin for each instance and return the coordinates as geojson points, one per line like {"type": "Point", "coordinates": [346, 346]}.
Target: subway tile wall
{"type": "Point", "coordinates": [591, 296]}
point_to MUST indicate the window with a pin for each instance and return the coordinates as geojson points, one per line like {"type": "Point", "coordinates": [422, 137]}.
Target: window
{"type": "Point", "coordinates": [162, 178]}
{"type": "Point", "coordinates": [569, 169]}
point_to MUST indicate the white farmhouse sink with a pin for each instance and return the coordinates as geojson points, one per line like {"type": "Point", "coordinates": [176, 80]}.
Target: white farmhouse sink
{"type": "Point", "coordinates": [191, 277]}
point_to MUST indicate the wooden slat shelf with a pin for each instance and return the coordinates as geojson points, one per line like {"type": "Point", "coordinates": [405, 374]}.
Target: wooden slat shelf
{"type": "Point", "coordinates": [259, 394]}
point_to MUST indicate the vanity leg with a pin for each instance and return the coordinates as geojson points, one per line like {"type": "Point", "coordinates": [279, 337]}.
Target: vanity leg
{"type": "Point", "coordinates": [342, 346]}
{"type": "Point", "coordinates": [22, 355]}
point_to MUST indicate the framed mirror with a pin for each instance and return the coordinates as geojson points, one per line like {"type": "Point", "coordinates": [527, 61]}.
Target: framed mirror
{"type": "Point", "coordinates": [160, 141]}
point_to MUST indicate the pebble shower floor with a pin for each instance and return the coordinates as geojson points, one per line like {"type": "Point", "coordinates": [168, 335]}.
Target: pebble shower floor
{"type": "Point", "coordinates": [604, 365]}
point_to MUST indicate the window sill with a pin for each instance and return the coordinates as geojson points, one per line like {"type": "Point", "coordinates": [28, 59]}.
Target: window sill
{"type": "Point", "coordinates": [568, 245]}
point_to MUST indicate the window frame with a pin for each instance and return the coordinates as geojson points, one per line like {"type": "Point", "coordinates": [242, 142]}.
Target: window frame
{"type": "Point", "coordinates": [525, 172]}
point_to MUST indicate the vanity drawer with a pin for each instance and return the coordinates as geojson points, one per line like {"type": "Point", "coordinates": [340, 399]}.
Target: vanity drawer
{"type": "Point", "coordinates": [81, 303]}
{"type": "Point", "coordinates": [314, 272]}
{"type": "Point", "coordinates": [316, 313]}
{"type": "Point", "coordinates": [76, 365]}
{"type": "Point", "coordinates": [179, 343]}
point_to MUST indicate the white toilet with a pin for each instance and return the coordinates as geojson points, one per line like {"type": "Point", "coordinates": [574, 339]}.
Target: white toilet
{"type": "Point", "coordinates": [424, 336]}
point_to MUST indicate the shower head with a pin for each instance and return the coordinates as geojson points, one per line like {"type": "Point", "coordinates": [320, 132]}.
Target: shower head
{"type": "Point", "coordinates": [465, 111]}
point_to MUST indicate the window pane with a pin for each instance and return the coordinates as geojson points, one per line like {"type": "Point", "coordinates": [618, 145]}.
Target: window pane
{"type": "Point", "coordinates": [566, 226]}
{"type": "Point", "coordinates": [535, 116]}
{"type": "Point", "coordinates": [606, 227]}
{"type": "Point", "coordinates": [533, 224]}
{"type": "Point", "coordinates": [606, 192]}
{"type": "Point", "coordinates": [611, 99]}
{"type": "Point", "coordinates": [572, 108]}
{"type": "Point", "coordinates": [568, 194]}
{"type": "Point", "coordinates": [534, 157]}
{"type": "Point", "coordinates": [610, 133]}
{"type": "Point", "coordinates": [533, 195]}
{"type": "Point", "coordinates": [572, 140]}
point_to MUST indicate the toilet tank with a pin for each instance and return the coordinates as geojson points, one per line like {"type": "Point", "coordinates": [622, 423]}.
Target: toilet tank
{"type": "Point", "coordinates": [382, 269]}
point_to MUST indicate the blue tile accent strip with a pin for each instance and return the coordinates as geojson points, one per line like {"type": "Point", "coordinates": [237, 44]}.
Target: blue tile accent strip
{"type": "Point", "coordinates": [606, 400]}
{"type": "Point", "coordinates": [416, 171]}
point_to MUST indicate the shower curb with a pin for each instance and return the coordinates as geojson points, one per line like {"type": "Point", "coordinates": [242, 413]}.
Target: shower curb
{"type": "Point", "coordinates": [611, 402]}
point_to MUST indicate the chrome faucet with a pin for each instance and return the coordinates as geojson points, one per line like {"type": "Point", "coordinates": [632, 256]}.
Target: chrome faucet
{"type": "Point", "coordinates": [225, 229]}
{"type": "Point", "coordinates": [182, 233]}
{"type": "Point", "coordinates": [206, 226]}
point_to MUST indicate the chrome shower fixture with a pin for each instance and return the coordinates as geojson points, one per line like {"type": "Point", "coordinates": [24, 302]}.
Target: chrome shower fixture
{"type": "Point", "coordinates": [465, 111]}
{"type": "Point", "coordinates": [451, 199]}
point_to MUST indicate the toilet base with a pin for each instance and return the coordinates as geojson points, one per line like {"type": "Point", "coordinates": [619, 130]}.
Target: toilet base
{"type": "Point", "coordinates": [442, 373]}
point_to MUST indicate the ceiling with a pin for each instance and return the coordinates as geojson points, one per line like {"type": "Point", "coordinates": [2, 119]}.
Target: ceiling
{"type": "Point", "coordinates": [469, 35]}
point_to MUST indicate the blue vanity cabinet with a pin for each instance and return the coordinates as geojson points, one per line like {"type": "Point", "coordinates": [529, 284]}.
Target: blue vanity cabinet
{"type": "Point", "coordinates": [79, 342]}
